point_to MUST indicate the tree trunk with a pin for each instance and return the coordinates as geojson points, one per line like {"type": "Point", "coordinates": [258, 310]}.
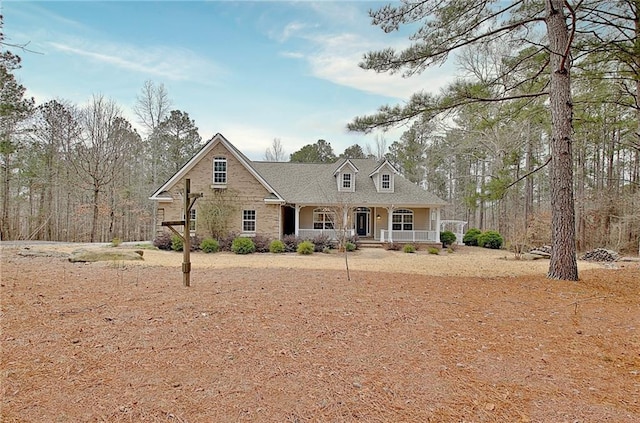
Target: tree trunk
{"type": "Point", "coordinates": [563, 264]}
{"type": "Point", "coordinates": [96, 210]}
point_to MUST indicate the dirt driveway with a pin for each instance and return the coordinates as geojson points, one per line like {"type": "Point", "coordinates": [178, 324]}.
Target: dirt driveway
{"type": "Point", "coordinates": [469, 336]}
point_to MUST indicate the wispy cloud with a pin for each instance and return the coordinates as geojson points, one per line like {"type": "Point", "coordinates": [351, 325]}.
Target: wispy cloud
{"type": "Point", "coordinates": [173, 63]}
{"type": "Point", "coordinates": [333, 53]}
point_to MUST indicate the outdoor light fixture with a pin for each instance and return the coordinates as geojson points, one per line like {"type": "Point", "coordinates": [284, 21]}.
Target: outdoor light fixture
{"type": "Point", "coordinates": [378, 217]}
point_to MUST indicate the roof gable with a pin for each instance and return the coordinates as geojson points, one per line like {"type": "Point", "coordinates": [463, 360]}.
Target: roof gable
{"type": "Point", "coordinates": [212, 143]}
{"type": "Point", "coordinates": [348, 164]}
{"type": "Point", "coordinates": [384, 164]}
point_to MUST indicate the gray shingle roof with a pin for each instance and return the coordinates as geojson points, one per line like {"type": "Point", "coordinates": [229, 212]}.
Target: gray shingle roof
{"type": "Point", "coordinates": [315, 183]}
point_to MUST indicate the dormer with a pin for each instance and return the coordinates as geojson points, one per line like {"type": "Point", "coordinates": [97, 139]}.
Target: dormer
{"type": "Point", "coordinates": [345, 176]}
{"type": "Point", "coordinates": [384, 177]}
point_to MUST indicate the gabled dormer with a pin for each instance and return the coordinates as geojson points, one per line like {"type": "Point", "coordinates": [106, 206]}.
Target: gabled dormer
{"type": "Point", "coordinates": [345, 176]}
{"type": "Point", "coordinates": [383, 177]}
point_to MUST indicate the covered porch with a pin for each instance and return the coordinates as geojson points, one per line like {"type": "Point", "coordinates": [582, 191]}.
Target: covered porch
{"type": "Point", "coordinates": [374, 223]}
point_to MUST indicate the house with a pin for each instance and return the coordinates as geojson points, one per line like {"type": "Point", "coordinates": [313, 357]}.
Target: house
{"type": "Point", "coordinates": [362, 196]}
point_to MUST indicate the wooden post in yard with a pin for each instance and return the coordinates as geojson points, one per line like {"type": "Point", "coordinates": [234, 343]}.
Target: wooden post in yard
{"type": "Point", "coordinates": [186, 245]}
{"type": "Point", "coordinates": [189, 200]}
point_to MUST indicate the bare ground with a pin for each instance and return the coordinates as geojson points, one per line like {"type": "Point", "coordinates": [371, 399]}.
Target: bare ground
{"type": "Point", "coordinates": [472, 336]}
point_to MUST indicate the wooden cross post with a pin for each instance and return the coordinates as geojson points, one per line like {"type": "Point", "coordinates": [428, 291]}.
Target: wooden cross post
{"type": "Point", "coordinates": [189, 201]}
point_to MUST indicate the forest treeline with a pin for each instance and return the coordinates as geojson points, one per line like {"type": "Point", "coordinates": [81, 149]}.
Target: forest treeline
{"type": "Point", "coordinates": [84, 173]}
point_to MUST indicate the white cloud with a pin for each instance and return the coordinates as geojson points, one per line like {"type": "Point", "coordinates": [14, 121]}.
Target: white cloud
{"type": "Point", "coordinates": [173, 63]}
{"type": "Point", "coordinates": [337, 61]}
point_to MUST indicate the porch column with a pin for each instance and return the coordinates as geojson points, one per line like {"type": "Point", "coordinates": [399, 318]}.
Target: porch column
{"type": "Point", "coordinates": [438, 224]}
{"type": "Point", "coordinates": [297, 220]}
{"type": "Point", "coordinates": [390, 222]}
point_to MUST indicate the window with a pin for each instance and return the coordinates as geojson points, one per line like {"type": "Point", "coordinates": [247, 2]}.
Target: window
{"type": "Point", "coordinates": [192, 219]}
{"type": "Point", "coordinates": [386, 181]}
{"type": "Point", "coordinates": [402, 220]}
{"type": "Point", "coordinates": [248, 220]}
{"type": "Point", "coordinates": [323, 219]}
{"type": "Point", "coordinates": [346, 180]}
{"type": "Point", "coordinates": [220, 170]}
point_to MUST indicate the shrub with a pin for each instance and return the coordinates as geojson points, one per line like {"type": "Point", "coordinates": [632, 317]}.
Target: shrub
{"type": "Point", "coordinates": [243, 245]}
{"type": "Point", "coordinates": [209, 245]}
{"type": "Point", "coordinates": [290, 243]}
{"type": "Point", "coordinates": [490, 239]}
{"type": "Point", "coordinates": [276, 246]}
{"type": "Point", "coordinates": [326, 250]}
{"type": "Point", "coordinates": [176, 243]}
{"type": "Point", "coordinates": [447, 238]}
{"type": "Point", "coordinates": [433, 250]}
{"type": "Point", "coordinates": [409, 248]}
{"type": "Point", "coordinates": [163, 241]}
{"type": "Point", "coordinates": [392, 246]}
{"type": "Point", "coordinates": [305, 247]}
{"type": "Point", "coordinates": [350, 246]}
{"type": "Point", "coordinates": [355, 240]}
{"type": "Point", "coordinates": [262, 243]}
{"type": "Point", "coordinates": [227, 240]}
{"type": "Point", "coordinates": [321, 242]}
{"type": "Point", "coordinates": [116, 242]}
{"type": "Point", "coordinates": [471, 237]}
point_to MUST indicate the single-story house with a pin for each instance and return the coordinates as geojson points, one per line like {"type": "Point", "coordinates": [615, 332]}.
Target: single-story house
{"type": "Point", "coordinates": [362, 196]}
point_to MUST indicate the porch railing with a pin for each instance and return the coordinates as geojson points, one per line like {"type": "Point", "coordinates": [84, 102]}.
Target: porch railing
{"type": "Point", "coordinates": [409, 236]}
{"type": "Point", "coordinates": [333, 234]}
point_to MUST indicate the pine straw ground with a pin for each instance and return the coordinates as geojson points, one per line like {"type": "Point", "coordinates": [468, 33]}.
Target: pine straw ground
{"type": "Point", "coordinates": [125, 342]}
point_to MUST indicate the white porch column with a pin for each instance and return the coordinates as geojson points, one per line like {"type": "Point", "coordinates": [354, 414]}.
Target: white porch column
{"type": "Point", "coordinates": [297, 220]}
{"type": "Point", "coordinates": [438, 224]}
{"type": "Point", "coordinates": [390, 222]}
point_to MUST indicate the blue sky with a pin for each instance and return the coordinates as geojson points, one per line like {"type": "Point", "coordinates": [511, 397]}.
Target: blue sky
{"type": "Point", "coordinates": [253, 71]}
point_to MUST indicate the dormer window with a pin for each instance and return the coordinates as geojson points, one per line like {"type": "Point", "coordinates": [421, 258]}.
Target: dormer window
{"type": "Point", "coordinates": [220, 171]}
{"type": "Point", "coordinates": [386, 181]}
{"type": "Point", "coordinates": [346, 181]}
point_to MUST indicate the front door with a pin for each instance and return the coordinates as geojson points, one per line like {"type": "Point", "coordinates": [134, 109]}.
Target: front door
{"type": "Point", "coordinates": [362, 223]}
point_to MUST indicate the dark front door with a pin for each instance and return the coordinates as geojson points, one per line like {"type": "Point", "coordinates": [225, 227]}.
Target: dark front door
{"type": "Point", "coordinates": [362, 223]}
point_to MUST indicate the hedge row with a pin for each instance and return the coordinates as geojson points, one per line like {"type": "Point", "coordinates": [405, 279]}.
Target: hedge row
{"type": "Point", "coordinates": [258, 243]}
{"type": "Point", "coordinates": [486, 239]}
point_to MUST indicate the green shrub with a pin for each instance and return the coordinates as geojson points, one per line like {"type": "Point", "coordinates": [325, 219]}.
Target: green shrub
{"type": "Point", "coordinates": [243, 245]}
{"type": "Point", "coordinates": [116, 242]}
{"type": "Point", "coordinates": [409, 248]}
{"type": "Point", "coordinates": [305, 247]}
{"type": "Point", "coordinates": [355, 240]}
{"type": "Point", "coordinates": [471, 237]}
{"type": "Point", "coordinates": [176, 243]}
{"type": "Point", "coordinates": [433, 250]}
{"type": "Point", "coordinates": [276, 246]}
{"type": "Point", "coordinates": [326, 250]}
{"type": "Point", "coordinates": [210, 245]}
{"type": "Point", "coordinates": [350, 246]}
{"type": "Point", "coordinates": [447, 238]}
{"type": "Point", "coordinates": [490, 239]}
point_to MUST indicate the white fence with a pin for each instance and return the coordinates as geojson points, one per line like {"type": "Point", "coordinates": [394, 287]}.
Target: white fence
{"type": "Point", "coordinates": [409, 236]}
{"type": "Point", "coordinates": [333, 234]}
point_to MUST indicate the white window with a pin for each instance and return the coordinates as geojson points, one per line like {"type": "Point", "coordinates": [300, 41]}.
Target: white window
{"type": "Point", "coordinates": [219, 171]}
{"type": "Point", "coordinates": [248, 220]}
{"type": "Point", "coordinates": [192, 219]}
{"type": "Point", "coordinates": [402, 220]}
{"type": "Point", "coordinates": [386, 181]}
{"type": "Point", "coordinates": [346, 181]}
{"type": "Point", "coordinates": [323, 219]}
